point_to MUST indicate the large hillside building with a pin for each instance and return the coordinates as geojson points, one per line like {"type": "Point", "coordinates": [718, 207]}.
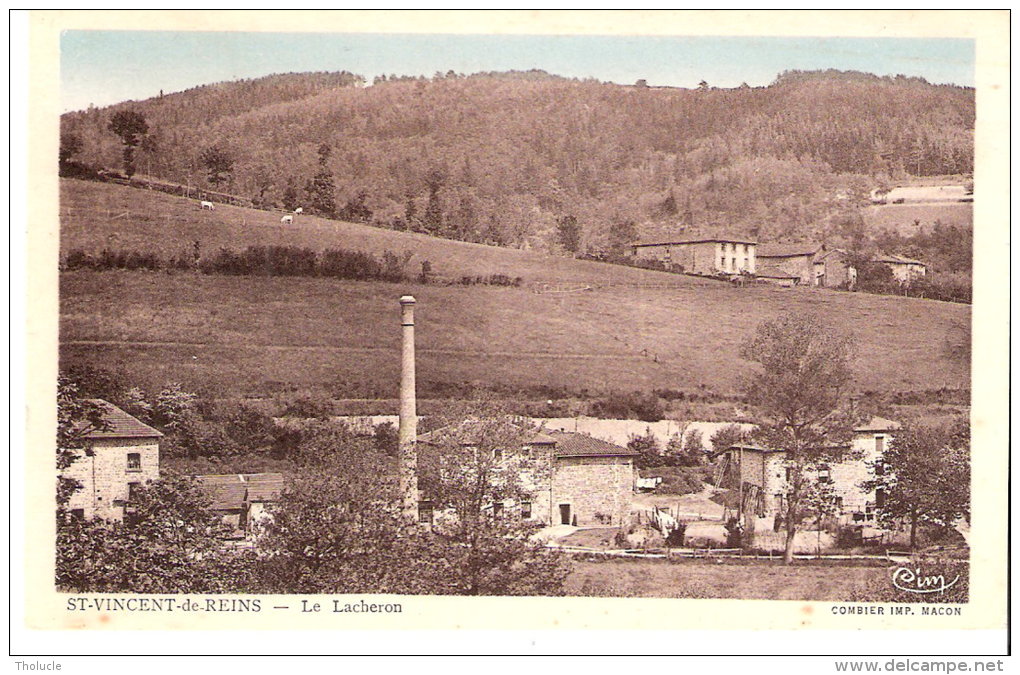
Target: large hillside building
{"type": "Point", "coordinates": [707, 256]}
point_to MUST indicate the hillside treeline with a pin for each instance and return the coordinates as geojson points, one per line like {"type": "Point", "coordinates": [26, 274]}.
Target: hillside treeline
{"type": "Point", "coordinates": [509, 158]}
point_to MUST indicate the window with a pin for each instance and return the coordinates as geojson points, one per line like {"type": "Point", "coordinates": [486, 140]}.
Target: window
{"type": "Point", "coordinates": [77, 514]}
{"type": "Point", "coordinates": [879, 498]}
{"type": "Point", "coordinates": [497, 509]}
{"type": "Point", "coordinates": [134, 461]}
{"type": "Point", "coordinates": [879, 444]}
{"type": "Point", "coordinates": [525, 509]}
{"type": "Point", "coordinates": [425, 512]}
{"type": "Point", "coordinates": [497, 454]}
{"type": "Point", "coordinates": [133, 491]}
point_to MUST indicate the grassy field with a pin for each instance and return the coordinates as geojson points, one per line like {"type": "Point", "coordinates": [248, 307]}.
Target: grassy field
{"type": "Point", "coordinates": [700, 579]}
{"type": "Point", "coordinates": [256, 335]}
{"type": "Point", "coordinates": [97, 215]}
{"type": "Point", "coordinates": [259, 335]}
{"type": "Point", "coordinates": [901, 217]}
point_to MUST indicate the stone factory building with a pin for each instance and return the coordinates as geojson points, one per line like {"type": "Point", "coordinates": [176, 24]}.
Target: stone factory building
{"type": "Point", "coordinates": [759, 475]}
{"type": "Point", "coordinates": [574, 479]}
{"type": "Point", "coordinates": [122, 456]}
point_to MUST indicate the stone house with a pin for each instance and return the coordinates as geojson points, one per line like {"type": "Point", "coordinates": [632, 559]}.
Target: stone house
{"type": "Point", "coordinates": [121, 457]}
{"type": "Point", "coordinates": [577, 479]}
{"type": "Point", "coordinates": [707, 256]}
{"type": "Point", "coordinates": [760, 475]}
{"type": "Point", "coordinates": [810, 264]}
{"type": "Point", "coordinates": [241, 498]}
{"type": "Point", "coordinates": [905, 270]}
{"type": "Point", "coordinates": [797, 260]}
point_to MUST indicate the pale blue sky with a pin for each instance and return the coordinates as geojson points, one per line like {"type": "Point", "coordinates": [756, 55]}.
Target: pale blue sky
{"type": "Point", "coordinates": [104, 67]}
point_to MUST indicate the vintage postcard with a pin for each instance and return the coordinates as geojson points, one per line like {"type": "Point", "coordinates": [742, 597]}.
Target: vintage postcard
{"type": "Point", "coordinates": [516, 320]}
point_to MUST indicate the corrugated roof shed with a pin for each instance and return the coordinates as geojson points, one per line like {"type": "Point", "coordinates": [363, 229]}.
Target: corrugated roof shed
{"type": "Point", "coordinates": [571, 444]}
{"type": "Point", "coordinates": [120, 424]}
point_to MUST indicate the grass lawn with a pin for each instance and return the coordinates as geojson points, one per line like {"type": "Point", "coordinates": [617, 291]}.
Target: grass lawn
{"type": "Point", "coordinates": [259, 335]}
{"type": "Point", "coordinates": [254, 334]}
{"type": "Point", "coordinates": [701, 579]}
{"type": "Point", "coordinates": [241, 335]}
{"type": "Point", "coordinates": [95, 215]}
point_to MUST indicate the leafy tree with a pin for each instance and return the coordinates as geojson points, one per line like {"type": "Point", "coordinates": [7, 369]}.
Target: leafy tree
{"type": "Point", "coordinates": [218, 162]}
{"type": "Point", "coordinates": [622, 234]}
{"type": "Point", "coordinates": [321, 189]}
{"type": "Point", "coordinates": [321, 193]}
{"type": "Point", "coordinates": [798, 391]}
{"type": "Point", "coordinates": [169, 543]}
{"type": "Point", "coordinates": [480, 470]}
{"type": "Point", "coordinates": [726, 437]}
{"type": "Point", "coordinates": [431, 220]}
{"type": "Point", "coordinates": [291, 199]}
{"type": "Point", "coordinates": [355, 210]}
{"type": "Point", "coordinates": [70, 145]}
{"type": "Point", "coordinates": [130, 126]}
{"type": "Point", "coordinates": [77, 417]}
{"type": "Point", "coordinates": [337, 527]}
{"type": "Point", "coordinates": [648, 449]}
{"type": "Point", "coordinates": [924, 475]}
{"type": "Point", "coordinates": [568, 231]}
{"type": "Point", "coordinates": [694, 449]}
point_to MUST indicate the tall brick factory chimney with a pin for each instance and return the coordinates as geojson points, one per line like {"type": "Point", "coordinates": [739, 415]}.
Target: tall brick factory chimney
{"type": "Point", "coordinates": [408, 430]}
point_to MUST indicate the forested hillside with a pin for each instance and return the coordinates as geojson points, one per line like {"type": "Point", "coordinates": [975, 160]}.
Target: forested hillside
{"type": "Point", "coordinates": [530, 159]}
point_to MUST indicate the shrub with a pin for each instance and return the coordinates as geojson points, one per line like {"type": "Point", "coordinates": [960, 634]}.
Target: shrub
{"type": "Point", "coordinates": [618, 405]}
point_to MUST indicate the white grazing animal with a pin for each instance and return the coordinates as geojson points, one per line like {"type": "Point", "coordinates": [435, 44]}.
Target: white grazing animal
{"type": "Point", "coordinates": [208, 205]}
{"type": "Point", "coordinates": [287, 220]}
{"type": "Point", "coordinates": [299, 210]}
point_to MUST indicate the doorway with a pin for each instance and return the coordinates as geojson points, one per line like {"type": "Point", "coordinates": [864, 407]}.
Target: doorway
{"type": "Point", "coordinates": [565, 514]}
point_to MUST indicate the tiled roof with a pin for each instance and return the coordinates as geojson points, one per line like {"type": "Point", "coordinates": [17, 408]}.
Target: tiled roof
{"type": "Point", "coordinates": [879, 424]}
{"type": "Point", "coordinates": [570, 444]}
{"type": "Point", "coordinates": [231, 491]}
{"type": "Point", "coordinates": [119, 424]}
{"type": "Point", "coordinates": [787, 250]}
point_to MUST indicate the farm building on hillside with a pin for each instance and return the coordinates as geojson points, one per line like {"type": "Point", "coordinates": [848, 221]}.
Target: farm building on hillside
{"type": "Point", "coordinates": [241, 498]}
{"type": "Point", "coordinates": [572, 478]}
{"type": "Point", "coordinates": [760, 475]}
{"type": "Point", "coordinates": [905, 270]}
{"type": "Point", "coordinates": [120, 457]}
{"type": "Point", "coordinates": [810, 264]}
{"type": "Point", "coordinates": [725, 255]}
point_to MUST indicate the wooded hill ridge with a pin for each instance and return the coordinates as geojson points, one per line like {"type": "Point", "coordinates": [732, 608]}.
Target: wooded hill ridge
{"type": "Point", "coordinates": [508, 158]}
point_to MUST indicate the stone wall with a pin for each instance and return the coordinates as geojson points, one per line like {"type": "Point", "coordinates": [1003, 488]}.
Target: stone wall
{"type": "Point", "coordinates": [591, 486]}
{"type": "Point", "coordinates": [105, 476]}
